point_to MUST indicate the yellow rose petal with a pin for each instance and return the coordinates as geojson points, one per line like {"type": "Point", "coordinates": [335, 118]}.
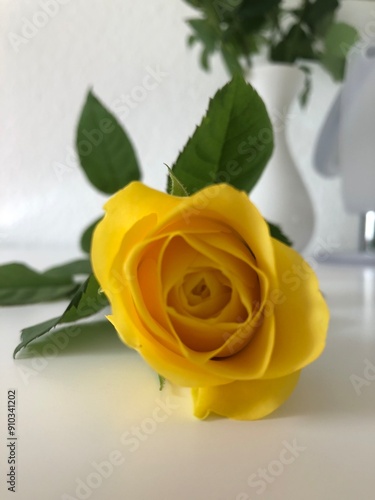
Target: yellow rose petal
{"type": "Point", "coordinates": [232, 208]}
{"type": "Point", "coordinates": [252, 360]}
{"type": "Point", "coordinates": [301, 318]}
{"type": "Point", "coordinates": [241, 274]}
{"type": "Point", "coordinates": [174, 367]}
{"type": "Point", "coordinates": [234, 310]}
{"type": "Point", "coordinates": [108, 241]}
{"type": "Point", "coordinates": [202, 338]}
{"type": "Point", "coordinates": [201, 295]}
{"type": "Point", "coordinates": [179, 256]}
{"type": "Point", "coordinates": [197, 225]}
{"type": "Point", "coordinates": [243, 400]}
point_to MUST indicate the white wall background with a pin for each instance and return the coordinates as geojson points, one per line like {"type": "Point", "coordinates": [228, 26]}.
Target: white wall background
{"type": "Point", "coordinates": [111, 45]}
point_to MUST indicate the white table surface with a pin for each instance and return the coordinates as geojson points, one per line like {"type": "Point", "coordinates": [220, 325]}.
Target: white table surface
{"type": "Point", "coordinates": [96, 401]}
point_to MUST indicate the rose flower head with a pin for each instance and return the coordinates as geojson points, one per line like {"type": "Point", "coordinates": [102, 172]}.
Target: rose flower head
{"type": "Point", "coordinates": [208, 298]}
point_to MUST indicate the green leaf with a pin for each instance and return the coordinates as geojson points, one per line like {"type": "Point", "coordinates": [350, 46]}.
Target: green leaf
{"type": "Point", "coordinates": [277, 233]}
{"type": "Point", "coordinates": [87, 236]}
{"type": "Point", "coordinates": [249, 8]}
{"type": "Point", "coordinates": [74, 268]}
{"type": "Point", "coordinates": [339, 40]}
{"type": "Point", "coordinates": [19, 284]}
{"type": "Point", "coordinates": [105, 151]}
{"type": "Point", "coordinates": [88, 300]}
{"type": "Point", "coordinates": [33, 332]}
{"type": "Point", "coordinates": [334, 65]}
{"type": "Point", "coordinates": [191, 40]}
{"type": "Point", "coordinates": [314, 13]}
{"type": "Point", "coordinates": [253, 15]}
{"type": "Point", "coordinates": [232, 144]}
{"type": "Point", "coordinates": [205, 61]}
{"type": "Point", "coordinates": [91, 337]}
{"type": "Point", "coordinates": [204, 32]}
{"type": "Point", "coordinates": [296, 44]}
{"type": "Point", "coordinates": [195, 3]}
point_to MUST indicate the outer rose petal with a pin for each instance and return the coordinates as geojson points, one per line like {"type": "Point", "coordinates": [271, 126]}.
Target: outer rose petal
{"type": "Point", "coordinates": [126, 208]}
{"type": "Point", "coordinates": [168, 364]}
{"type": "Point", "coordinates": [244, 400]}
{"type": "Point", "coordinates": [301, 321]}
{"type": "Point", "coordinates": [220, 202]}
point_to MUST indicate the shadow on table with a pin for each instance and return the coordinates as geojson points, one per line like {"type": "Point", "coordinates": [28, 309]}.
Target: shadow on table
{"type": "Point", "coordinates": [334, 384]}
{"type": "Point", "coordinates": [338, 382]}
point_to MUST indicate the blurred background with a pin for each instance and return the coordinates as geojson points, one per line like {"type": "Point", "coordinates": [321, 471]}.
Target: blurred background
{"type": "Point", "coordinates": [136, 59]}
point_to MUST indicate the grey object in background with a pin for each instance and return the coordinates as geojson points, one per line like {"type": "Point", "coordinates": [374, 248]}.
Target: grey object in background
{"type": "Point", "coordinates": [346, 146]}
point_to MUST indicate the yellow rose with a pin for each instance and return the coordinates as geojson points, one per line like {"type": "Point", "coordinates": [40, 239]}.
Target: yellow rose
{"type": "Point", "coordinates": [200, 289]}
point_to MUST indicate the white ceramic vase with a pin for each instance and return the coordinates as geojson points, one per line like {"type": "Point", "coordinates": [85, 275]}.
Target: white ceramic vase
{"type": "Point", "coordinates": [280, 193]}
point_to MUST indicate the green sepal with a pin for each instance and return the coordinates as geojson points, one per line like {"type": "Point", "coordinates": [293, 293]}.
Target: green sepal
{"type": "Point", "coordinates": [176, 188]}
